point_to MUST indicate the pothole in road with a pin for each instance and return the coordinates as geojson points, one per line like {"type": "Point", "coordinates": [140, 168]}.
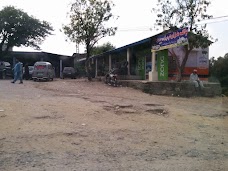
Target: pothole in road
{"type": "Point", "coordinates": [70, 134]}
{"type": "Point", "coordinates": [151, 104]}
{"type": "Point", "coordinates": [161, 112]}
{"type": "Point", "coordinates": [42, 117]}
{"type": "Point", "coordinates": [2, 116]}
{"type": "Point", "coordinates": [219, 115]}
{"type": "Point", "coordinates": [117, 107]}
{"type": "Point", "coordinates": [120, 109]}
{"type": "Point", "coordinates": [129, 109]}
{"type": "Point", "coordinates": [108, 108]}
{"type": "Point", "coordinates": [98, 101]}
{"type": "Point", "coordinates": [125, 111]}
{"type": "Point", "coordinates": [47, 117]}
{"type": "Point", "coordinates": [123, 106]}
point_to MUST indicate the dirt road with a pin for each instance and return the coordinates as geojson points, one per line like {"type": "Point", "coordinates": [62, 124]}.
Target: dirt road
{"type": "Point", "coordinates": [89, 126]}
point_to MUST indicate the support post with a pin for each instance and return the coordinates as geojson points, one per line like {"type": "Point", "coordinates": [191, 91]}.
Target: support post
{"type": "Point", "coordinates": [128, 60]}
{"type": "Point", "coordinates": [110, 62]}
{"type": "Point", "coordinates": [61, 68]}
{"type": "Point", "coordinates": [96, 68]}
{"type": "Point", "coordinates": [153, 75]}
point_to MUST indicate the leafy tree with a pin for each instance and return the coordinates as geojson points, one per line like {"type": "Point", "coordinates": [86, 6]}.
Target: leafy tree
{"type": "Point", "coordinates": [17, 28]}
{"type": "Point", "coordinates": [219, 69]}
{"type": "Point", "coordinates": [174, 14]}
{"type": "Point", "coordinates": [96, 50]}
{"type": "Point", "coordinates": [87, 24]}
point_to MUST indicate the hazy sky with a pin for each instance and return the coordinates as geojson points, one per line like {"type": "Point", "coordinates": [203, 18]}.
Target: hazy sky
{"type": "Point", "coordinates": [134, 23]}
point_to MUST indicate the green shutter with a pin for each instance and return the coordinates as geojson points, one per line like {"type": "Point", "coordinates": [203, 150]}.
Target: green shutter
{"type": "Point", "coordinates": [141, 67]}
{"type": "Point", "coordinates": [162, 65]}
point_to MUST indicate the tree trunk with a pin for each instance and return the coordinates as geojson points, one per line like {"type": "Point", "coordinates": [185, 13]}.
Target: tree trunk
{"type": "Point", "coordinates": [3, 53]}
{"type": "Point", "coordinates": [179, 74]}
{"type": "Point", "coordinates": [87, 64]}
{"type": "Point", "coordinates": [88, 70]}
{"type": "Point", "coordinates": [180, 67]}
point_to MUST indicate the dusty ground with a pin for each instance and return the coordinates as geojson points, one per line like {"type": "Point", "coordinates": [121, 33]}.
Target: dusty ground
{"type": "Point", "coordinates": [90, 126]}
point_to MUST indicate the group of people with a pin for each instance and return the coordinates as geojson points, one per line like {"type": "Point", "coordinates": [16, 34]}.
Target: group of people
{"type": "Point", "coordinates": [18, 72]}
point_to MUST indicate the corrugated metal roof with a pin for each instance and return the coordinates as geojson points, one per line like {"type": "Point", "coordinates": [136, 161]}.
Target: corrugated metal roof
{"type": "Point", "coordinates": [147, 40]}
{"type": "Point", "coordinates": [138, 43]}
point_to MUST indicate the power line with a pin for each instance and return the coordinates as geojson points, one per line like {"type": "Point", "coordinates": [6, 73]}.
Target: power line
{"type": "Point", "coordinates": [124, 30]}
{"type": "Point", "coordinates": [213, 22]}
{"type": "Point", "coordinates": [150, 28]}
{"type": "Point", "coordinates": [142, 28]}
{"type": "Point", "coordinates": [215, 18]}
{"type": "Point", "coordinates": [225, 16]}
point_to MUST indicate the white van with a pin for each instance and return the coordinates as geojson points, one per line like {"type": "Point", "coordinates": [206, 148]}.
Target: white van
{"type": "Point", "coordinates": [43, 71]}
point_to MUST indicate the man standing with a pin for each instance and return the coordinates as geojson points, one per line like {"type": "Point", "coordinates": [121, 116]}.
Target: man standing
{"type": "Point", "coordinates": [18, 72]}
{"type": "Point", "coordinates": [195, 79]}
